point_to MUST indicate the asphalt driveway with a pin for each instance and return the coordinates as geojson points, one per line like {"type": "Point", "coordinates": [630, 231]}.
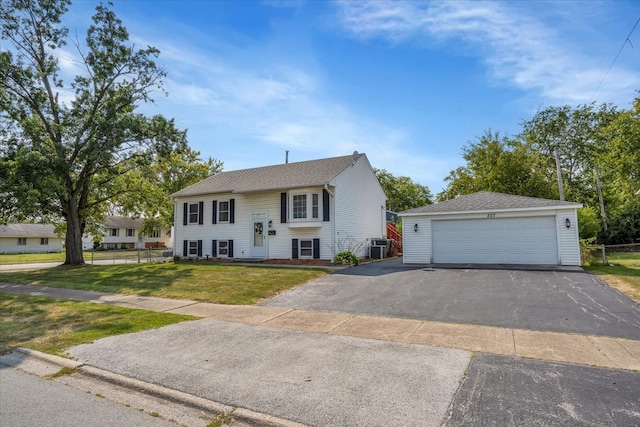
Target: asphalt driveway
{"type": "Point", "coordinates": [561, 300]}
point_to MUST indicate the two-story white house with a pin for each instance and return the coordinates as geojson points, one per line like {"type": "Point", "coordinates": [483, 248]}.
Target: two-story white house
{"type": "Point", "coordinates": [125, 233]}
{"type": "Point", "coordinates": [304, 210]}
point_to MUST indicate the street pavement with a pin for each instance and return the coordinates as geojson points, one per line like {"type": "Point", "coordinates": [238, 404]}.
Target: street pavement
{"type": "Point", "coordinates": [320, 368]}
{"type": "Point", "coordinates": [28, 400]}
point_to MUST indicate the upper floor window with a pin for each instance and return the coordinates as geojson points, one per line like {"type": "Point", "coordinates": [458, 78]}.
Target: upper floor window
{"type": "Point", "coordinates": [305, 206]}
{"type": "Point", "coordinates": [193, 213]}
{"type": "Point", "coordinates": [114, 232]}
{"type": "Point", "coordinates": [299, 206]}
{"type": "Point", "coordinates": [131, 232]}
{"type": "Point", "coordinates": [22, 241]}
{"type": "Point", "coordinates": [154, 234]}
{"type": "Point", "coordinates": [223, 211]}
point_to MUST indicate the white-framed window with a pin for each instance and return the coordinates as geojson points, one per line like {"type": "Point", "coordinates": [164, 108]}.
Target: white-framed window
{"type": "Point", "coordinates": [223, 248]}
{"type": "Point", "coordinates": [193, 248]}
{"type": "Point", "coordinates": [314, 205]}
{"type": "Point", "coordinates": [299, 206]}
{"type": "Point", "coordinates": [154, 234]}
{"type": "Point", "coordinates": [304, 206]}
{"type": "Point", "coordinates": [306, 248]}
{"type": "Point", "coordinates": [44, 241]}
{"type": "Point", "coordinates": [22, 241]}
{"type": "Point", "coordinates": [114, 232]}
{"type": "Point", "coordinates": [131, 232]}
{"type": "Point", "coordinates": [223, 211]}
{"type": "Point", "coordinates": [194, 210]}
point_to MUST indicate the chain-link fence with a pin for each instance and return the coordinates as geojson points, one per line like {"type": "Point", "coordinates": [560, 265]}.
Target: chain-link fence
{"type": "Point", "coordinates": [130, 256]}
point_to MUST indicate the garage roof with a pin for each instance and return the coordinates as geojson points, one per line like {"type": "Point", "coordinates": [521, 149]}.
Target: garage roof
{"type": "Point", "coordinates": [488, 201]}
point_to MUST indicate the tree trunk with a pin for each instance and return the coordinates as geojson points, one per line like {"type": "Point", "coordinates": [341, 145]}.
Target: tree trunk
{"type": "Point", "coordinates": [74, 255]}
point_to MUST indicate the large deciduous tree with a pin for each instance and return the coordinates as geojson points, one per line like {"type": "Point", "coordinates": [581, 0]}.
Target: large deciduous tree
{"type": "Point", "coordinates": [65, 146]}
{"type": "Point", "coordinates": [402, 193]}
{"type": "Point", "coordinates": [502, 165]}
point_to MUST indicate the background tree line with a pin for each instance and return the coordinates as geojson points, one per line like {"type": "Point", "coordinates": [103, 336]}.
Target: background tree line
{"type": "Point", "coordinates": [598, 151]}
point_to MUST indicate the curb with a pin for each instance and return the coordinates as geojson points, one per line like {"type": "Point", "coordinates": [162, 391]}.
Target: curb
{"type": "Point", "coordinates": [242, 415]}
{"type": "Point", "coordinates": [48, 358]}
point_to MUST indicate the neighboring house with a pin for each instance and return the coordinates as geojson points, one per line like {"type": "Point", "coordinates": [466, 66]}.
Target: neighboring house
{"type": "Point", "coordinates": [310, 210]}
{"type": "Point", "coordinates": [492, 228]}
{"type": "Point", "coordinates": [29, 238]}
{"type": "Point", "coordinates": [125, 233]}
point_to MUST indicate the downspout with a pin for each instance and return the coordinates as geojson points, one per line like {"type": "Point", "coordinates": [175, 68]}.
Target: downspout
{"type": "Point", "coordinates": [333, 222]}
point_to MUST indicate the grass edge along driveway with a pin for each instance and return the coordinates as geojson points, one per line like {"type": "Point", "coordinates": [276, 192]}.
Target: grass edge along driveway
{"type": "Point", "coordinates": [622, 273]}
{"type": "Point", "coordinates": [53, 325]}
{"type": "Point", "coordinates": [214, 283]}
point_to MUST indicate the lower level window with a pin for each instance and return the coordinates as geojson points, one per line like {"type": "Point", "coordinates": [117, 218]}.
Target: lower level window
{"type": "Point", "coordinates": [193, 248]}
{"type": "Point", "coordinates": [306, 248]}
{"type": "Point", "coordinates": [44, 240]}
{"type": "Point", "coordinates": [223, 248]}
{"type": "Point", "coordinates": [22, 241]}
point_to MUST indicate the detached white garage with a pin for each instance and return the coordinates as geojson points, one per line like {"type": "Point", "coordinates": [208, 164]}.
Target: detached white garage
{"type": "Point", "coordinates": [492, 228]}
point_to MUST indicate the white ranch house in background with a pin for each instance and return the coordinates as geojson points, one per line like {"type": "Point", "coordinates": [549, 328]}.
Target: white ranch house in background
{"type": "Point", "coordinates": [125, 233]}
{"type": "Point", "coordinates": [29, 238]}
{"type": "Point", "coordinates": [492, 228]}
{"type": "Point", "coordinates": [310, 210]}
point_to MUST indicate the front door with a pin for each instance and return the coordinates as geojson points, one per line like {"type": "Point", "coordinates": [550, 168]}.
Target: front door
{"type": "Point", "coordinates": [258, 235]}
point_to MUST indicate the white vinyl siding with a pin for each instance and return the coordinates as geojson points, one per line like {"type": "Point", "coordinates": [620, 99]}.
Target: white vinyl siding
{"type": "Point", "coordinates": [360, 203]}
{"type": "Point", "coordinates": [416, 245]}
{"type": "Point", "coordinates": [31, 245]}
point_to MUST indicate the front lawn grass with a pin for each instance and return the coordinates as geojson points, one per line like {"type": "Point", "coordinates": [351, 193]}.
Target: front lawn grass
{"type": "Point", "coordinates": [622, 273]}
{"type": "Point", "coordinates": [8, 259]}
{"type": "Point", "coordinates": [52, 325]}
{"type": "Point", "coordinates": [216, 283]}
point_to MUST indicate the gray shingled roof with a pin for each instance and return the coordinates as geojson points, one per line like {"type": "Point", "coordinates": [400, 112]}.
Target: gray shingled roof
{"type": "Point", "coordinates": [485, 200]}
{"type": "Point", "coordinates": [122, 222]}
{"type": "Point", "coordinates": [27, 230]}
{"type": "Point", "coordinates": [277, 177]}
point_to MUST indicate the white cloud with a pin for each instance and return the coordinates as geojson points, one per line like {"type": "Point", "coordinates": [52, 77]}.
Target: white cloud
{"type": "Point", "coordinates": [519, 49]}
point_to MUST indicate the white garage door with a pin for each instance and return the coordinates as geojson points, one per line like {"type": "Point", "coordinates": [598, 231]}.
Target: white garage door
{"type": "Point", "coordinates": [495, 241]}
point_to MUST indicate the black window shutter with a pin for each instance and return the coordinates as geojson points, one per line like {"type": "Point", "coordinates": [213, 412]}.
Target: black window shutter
{"type": "Point", "coordinates": [316, 248]}
{"type": "Point", "coordinates": [214, 218]}
{"type": "Point", "coordinates": [200, 212]}
{"type": "Point", "coordinates": [325, 205]}
{"type": "Point", "coordinates": [185, 248]}
{"type": "Point", "coordinates": [230, 248]}
{"type": "Point", "coordinates": [214, 248]}
{"type": "Point", "coordinates": [294, 248]}
{"type": "Point", "coordinates": [283, 207]}
{"type": "Point", "coordinates": [185, 214]}
{"type": "Point", "coordinates": [199, 248]}
{"type": "Point", "coordinates": [232, 211]}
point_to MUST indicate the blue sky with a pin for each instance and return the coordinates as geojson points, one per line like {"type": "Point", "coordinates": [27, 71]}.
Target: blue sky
{"type": "Point", "coordinates": [408, 83]}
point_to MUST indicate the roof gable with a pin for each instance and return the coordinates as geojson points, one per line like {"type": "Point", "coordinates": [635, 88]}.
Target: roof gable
{"type": "Point", "coordinates": [288, 175]}
{"type": "Point", "coordinates": [485, 200]}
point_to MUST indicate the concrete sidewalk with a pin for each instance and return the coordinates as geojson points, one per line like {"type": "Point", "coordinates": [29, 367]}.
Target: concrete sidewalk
{"type": "Point", "coordinates": [600, 351]}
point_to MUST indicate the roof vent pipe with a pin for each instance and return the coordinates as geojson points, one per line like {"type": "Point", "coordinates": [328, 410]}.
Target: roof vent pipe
{"type": "Point", "coordinates": [286, 156]}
